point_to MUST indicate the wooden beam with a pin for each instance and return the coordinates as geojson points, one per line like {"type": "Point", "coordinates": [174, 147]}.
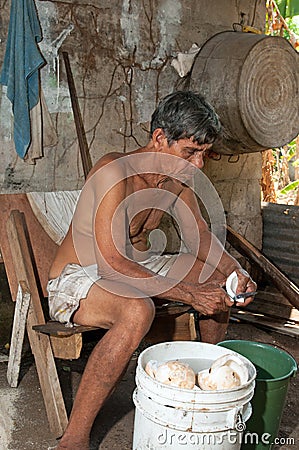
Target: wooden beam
{"type": "Point", "coordinates": [84, 150]}
{"type": "Point", "coordinates": [67, 347]}
{"type": "Point", "coordinates": [18, 332]}
{"type": "Point", "coordinates": [273, 305]}
{"type": "Point", "coordinates": [286, 327]}
{"type": "Point", "coordinates": [192, 327]}
{"type": "Point", "coordinates": [280, 281]}
{"type": "Point", "coordinates": [40, 343]}
{"type": "Point", "coordinates": [59, 329]}
{"type": "Point", "coordinates": [43, 247]}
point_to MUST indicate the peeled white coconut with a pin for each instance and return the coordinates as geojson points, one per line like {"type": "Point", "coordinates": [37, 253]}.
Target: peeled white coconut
{"type": "Point", "coordinates": [231, 285]}
{"type": "Point", "coordinates": [173, 373]}
{"type": "Point", "coordinates": [226, 372]}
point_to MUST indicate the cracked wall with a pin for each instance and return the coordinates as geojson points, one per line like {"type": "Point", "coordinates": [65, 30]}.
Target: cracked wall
{"type": "Point", "coordinates": [120, 54]}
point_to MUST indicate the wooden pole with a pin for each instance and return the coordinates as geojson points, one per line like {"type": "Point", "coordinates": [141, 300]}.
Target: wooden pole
{"type": "Point", "coordinates": [281, 281]}
{"type": "Point", "coordinates": [18, 332]}
{"type": "Point", "coordinates": [84, 150]}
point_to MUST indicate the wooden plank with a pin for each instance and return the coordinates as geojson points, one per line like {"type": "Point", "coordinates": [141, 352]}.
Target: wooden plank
{"type": "Point", "coordinates": [283, 327]}
{"type": "Point", "coordinates": [265, 305]}
{"type": "Point", "coordinates": [40, 343]}
{"type": "Point", "coordinates": [192, 327]}
{"type": "Point", "coordinates": [273, 311]}
{"type": "Point", "coordinates": [18, 332]}
{"type": "Point", "coordinates": [283, 284]}
{"type": "Point", "coordinates": [171, 310]}
{"type": "Point", "coordinates": [43, 247]}
{"type": "Point", "coordinates": [66, 342]}
{"type": "Point", "coordinates": [170, 328]}
{"type": "Point", "coordinates": [274, 296]}
{"type": "Point", "coordinates": [54, 328]}
{"type": "Point", "coordinates": [67, 347]}
{"type": "Point", "coordinates": [84, 150]}
{"type": "Point", "coordinates": [275, 303]}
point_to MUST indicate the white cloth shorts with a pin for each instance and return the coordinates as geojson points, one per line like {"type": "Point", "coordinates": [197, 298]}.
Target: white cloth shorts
{"type": "Point", "coordinates": [74, 282]}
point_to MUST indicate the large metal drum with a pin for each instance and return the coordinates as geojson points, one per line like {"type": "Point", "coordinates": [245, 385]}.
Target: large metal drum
{"type": "Point", "coordinates": [252, 80]}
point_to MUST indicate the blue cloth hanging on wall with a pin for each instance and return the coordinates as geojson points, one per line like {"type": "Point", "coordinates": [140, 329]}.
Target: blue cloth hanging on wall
{"type": "Point", "coordinates": [20, 68]}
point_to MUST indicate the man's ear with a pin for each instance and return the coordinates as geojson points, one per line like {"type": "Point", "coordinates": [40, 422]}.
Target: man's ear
{"type": "Point", "coordinates": [158, 138]}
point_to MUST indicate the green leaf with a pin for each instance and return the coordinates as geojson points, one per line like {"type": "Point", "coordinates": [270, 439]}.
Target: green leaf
{"type": "Point", "coordinates": [288, 8]}
{"type": "Point", "coordinates": [290, 187]}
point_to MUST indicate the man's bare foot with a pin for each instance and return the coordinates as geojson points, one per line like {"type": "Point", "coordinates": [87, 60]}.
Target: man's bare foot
{"type": "Point", "coordinates": [72, 445]}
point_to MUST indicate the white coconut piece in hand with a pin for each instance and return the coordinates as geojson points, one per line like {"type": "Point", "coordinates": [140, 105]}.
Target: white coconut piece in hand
{"type": "Point", "coordinates": [231, 285]}
{"type": "Point", "coordinates": [227, 372]}
{"type": "Point", "coordinates": [172, 373]}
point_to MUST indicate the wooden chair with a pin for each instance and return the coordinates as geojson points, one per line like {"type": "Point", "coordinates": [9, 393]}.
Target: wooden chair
{"type": "Point", "coordinates": [29, 311]}
{"type": "Point", "coordinates": [55, 341]}
{"type": "Point", "coordinates": [48, 339]}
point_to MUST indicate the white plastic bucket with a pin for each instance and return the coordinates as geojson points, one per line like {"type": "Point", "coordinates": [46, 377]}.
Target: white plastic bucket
{"type": "Point", "coordinates": [171, 418]}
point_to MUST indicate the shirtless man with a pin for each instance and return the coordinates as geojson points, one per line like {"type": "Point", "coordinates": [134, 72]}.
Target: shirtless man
{"type": "Point", "coordinates": [106, 273]}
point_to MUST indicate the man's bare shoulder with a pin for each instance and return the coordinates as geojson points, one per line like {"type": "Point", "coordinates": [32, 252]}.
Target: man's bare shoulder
{"type": "Point", "coordinates": [105, 160]}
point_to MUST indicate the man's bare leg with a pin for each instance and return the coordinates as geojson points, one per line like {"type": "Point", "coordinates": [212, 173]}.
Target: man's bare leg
{"type": "Point", "coordinates": [212, 328]}
{"type": "Point", "coordinates": [106, 363]}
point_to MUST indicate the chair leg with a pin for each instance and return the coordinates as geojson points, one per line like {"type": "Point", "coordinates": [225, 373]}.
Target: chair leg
{"type": "Point", "coordinates": [48, 378]}
{"type": "Point", "coordinates": [18, 332]}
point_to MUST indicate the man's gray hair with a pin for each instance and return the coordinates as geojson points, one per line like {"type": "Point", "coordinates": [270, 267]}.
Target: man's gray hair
{"type": "Point", "coordinates": [186, 114]}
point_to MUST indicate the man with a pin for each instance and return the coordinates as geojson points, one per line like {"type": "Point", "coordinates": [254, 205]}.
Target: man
{"type": "Point", "coordinates": [109, 268]}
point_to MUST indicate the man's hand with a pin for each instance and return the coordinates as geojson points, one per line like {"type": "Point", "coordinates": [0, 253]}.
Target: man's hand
{"type": "Point", "coordinates": [245, 284]}
{"type": "Point", "coordinates": [209, 298]}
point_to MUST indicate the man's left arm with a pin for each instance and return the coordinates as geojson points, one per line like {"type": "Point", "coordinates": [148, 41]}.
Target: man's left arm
{"type": "Point", "coordinates": [203, 244]}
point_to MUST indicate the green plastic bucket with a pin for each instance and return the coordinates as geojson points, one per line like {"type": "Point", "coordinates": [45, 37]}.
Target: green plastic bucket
{"type": "Point", "coordinates": [274, 369]}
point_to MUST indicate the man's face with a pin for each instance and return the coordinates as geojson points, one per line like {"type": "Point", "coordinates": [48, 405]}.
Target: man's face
{"type": "Point", "coordinates": [190, 151]}
{"type": "Point", "coordinates": [191, 154]}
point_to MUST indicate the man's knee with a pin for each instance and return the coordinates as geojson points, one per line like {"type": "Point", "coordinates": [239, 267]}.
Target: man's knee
{"type": "Point", "coordinates": [139, 313]}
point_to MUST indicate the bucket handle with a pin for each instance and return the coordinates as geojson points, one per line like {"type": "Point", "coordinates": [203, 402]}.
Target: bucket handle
{"type": "Point", "coordinates": [295, 371]}
{"type": "Point", "coordinates": [240, 425]}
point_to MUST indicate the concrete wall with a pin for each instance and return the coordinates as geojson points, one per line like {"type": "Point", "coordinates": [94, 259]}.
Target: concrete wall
{"type": "Point", "coordinates": [120, 54]}
{"type": "Point", "coordinates": [237, 182]}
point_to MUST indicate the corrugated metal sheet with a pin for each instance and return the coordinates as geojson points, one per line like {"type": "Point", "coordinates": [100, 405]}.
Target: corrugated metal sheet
{"type": "Point", "coordinates": [281, 237]}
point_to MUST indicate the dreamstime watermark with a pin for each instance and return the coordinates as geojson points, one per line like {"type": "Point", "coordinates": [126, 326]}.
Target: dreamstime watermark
{"type": "Point", "coordinates": [177, 439]}
{"type": "Point", "coordinates": [109, 204]}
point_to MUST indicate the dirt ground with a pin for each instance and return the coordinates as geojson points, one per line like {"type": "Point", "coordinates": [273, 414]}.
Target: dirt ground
{"type": "Point", "coordinates": [23, 422]}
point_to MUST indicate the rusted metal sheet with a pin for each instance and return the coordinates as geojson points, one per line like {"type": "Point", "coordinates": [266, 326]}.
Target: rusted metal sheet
{"type": "Point", "coordinates": [281, 237]}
